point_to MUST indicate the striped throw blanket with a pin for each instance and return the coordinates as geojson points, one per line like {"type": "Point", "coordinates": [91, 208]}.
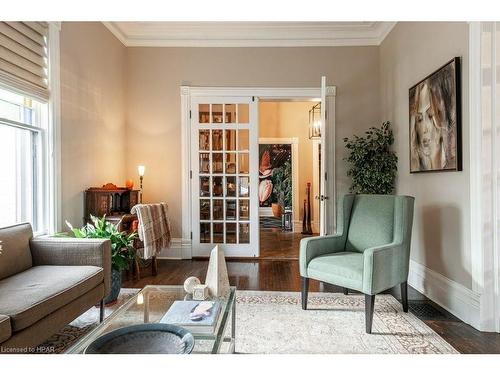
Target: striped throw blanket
{"type": "Point", "coordinates": [154, 227]}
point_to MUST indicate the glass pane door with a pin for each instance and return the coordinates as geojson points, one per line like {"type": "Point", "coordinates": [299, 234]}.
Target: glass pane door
{"type": "Point", "coordinates": [224, 175]}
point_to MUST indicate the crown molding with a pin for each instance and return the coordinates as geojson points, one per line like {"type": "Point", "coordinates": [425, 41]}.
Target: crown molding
{"type": "Point", "coordinates": [249, 34]}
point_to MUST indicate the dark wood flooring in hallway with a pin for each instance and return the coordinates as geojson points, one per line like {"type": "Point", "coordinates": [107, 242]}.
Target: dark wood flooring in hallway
{"type": "Point", "coordinates": [279, 245]}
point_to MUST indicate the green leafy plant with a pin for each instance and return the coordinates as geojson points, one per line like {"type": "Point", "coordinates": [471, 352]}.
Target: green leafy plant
{"type": "Point", "coordinates": [282, 184]}
{"type": "Point", "coordinates": [373, 165]}
{"type": "Point", "coordinates": [122, 249]}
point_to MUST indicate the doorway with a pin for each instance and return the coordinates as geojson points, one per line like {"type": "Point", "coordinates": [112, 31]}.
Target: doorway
{"type": "Point", "coordinates": [288, 176]}
{"type": "Point", "coordinates": [220, 175]}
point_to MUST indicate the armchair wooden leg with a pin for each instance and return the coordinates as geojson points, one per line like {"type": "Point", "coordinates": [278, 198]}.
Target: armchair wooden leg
{"type": "Point", "coordinates": [154, 266]}
{"type": "Point", "coordinates": [346, 291]}
{"type": "Point", "coordinates": [101, 311]}
{"type": "Point", "coordinates": [305, 290]}
{"type": "Point", "coordinates": [137, 269]}
{"type": "Point", "coordinates": [404, 296]}
{"type": "Point", "coordinates": [369, 305]}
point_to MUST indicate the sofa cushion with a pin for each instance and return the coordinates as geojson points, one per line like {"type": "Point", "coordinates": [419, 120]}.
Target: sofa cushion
{"type": "Point", "coordinates": [33, 294]}
{"type": "Point", "coordinates": [342, 269]}
{"type": "Point", "coordinates": [5, 329]}
{"type": "Point", "coordinates": [15, 254]}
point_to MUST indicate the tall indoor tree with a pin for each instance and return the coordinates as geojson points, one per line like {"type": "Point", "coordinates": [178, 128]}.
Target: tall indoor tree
{"type": "Point", "coordinates": [372, 162]}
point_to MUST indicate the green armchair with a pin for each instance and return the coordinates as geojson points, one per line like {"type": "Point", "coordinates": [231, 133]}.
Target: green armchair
{"type": "Point", "coordinates": [370, 253]}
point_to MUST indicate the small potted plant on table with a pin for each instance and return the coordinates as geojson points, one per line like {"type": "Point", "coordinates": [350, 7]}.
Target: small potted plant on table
{"type": "Point", "coordinates": [122, 249]}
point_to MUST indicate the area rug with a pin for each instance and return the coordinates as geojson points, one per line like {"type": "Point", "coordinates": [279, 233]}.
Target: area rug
{"type": "Point", "coordinates": [274, 323]}
{"type": "Point", "coordinates": [69, 335]}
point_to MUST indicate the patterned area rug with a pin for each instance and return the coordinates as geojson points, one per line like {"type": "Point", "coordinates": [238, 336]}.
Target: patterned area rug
{"type": "Point", "coordinates": [274, 322]}
{"type": "Point", "coordinates": [270, 222]}
{"type": "Point", "coordinates": [69, 335]}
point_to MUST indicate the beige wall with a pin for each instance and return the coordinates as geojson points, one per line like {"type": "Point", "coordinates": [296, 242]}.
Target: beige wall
{"type": "Point", "coordinates": [441, 231]}
{"type": "Point", "coordinates": [153, 105]}
{"type": "Point", "coordinates": [103, 140]}
{"type": "Point", "coordinates": [92, 112]}
{"type": "Point", "coordinates": [290, 120]}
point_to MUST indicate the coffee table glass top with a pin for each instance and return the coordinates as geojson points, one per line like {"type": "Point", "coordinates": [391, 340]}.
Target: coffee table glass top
{"type": "Point", "coordinates": [151, 303]}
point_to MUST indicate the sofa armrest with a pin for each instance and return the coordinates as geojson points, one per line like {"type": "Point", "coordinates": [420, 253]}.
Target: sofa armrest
{"type": "Point", "coordinates": [5, 328]}
{"type": "Point", "coordinates": [315, 246]}
{"type": "Point", "coordinates": [60, 251]}
{"type": "Point", "coordinates": [384, 267]}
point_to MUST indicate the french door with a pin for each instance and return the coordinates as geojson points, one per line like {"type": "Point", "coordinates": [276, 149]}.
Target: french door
{"type": "Point", "coordinates": [224, 175]}
{"type": "Point", "coordinates": [327, 195]}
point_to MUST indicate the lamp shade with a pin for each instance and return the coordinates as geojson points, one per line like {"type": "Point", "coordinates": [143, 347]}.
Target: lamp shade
{"type": "Point", "coordinates": [141, 169]}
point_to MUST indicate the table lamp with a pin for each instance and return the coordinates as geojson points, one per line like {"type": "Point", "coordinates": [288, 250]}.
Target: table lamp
{"type": "Point", "coordinates": [141, 169]}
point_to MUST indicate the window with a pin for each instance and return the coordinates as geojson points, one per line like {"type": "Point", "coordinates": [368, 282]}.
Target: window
{"type": "Point", "coordinates": [23, 155]}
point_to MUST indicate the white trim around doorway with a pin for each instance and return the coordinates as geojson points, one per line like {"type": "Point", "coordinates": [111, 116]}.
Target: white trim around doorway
{"type": "Point", "coordinates": [188, 92]}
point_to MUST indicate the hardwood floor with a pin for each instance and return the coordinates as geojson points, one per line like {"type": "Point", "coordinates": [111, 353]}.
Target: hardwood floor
{"type": "Point", "coordinates": [279, 245]}
{"type": "Point", "coordinates": [283, 275]}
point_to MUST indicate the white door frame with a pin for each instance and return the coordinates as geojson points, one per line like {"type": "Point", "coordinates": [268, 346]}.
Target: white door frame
{"type": "Point", "coordinates": [263, 93]}
{"type": "Point", "coordinates": [484, 242]}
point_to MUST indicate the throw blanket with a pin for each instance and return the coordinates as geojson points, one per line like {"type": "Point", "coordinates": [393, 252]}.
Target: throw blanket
{"type": "Point", "coordinates": [154, 227]}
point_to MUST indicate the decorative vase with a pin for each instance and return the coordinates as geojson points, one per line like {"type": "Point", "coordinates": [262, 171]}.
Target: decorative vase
{"type": "Point", "coordinates": [129, 184]}
{"type": "Point", "coordinates": [276, 208]}
{"type": "Point", "coordinates": [116, 284]}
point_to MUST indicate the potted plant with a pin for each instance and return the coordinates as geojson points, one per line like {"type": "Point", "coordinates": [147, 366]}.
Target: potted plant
{"type": "Point", "coordinates": [282, 178]}
{"type": "Point", "coordinates": [122, 249]}
{"type": "Point", "coordinates": [373, 164]}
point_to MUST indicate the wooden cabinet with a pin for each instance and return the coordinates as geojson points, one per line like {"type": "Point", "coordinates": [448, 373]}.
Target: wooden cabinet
{"type": "Point", "coordinates": [114, 202]}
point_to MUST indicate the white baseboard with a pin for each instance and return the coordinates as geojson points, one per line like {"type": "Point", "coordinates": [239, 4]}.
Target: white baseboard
{"type": "Point", "coordinates": [179, 249]}
{"type": "Point", "coordinates": [450, 295]}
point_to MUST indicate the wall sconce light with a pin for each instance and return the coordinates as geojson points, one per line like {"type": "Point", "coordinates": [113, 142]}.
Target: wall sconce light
{"type": "Point", "coordinates": [141, 169]}
{"type": "Point", "coordinates": [315, 122]}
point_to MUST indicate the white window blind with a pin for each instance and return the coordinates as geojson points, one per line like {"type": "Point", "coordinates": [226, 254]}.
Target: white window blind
{"type": "Point", "coordinates": [23, 57]}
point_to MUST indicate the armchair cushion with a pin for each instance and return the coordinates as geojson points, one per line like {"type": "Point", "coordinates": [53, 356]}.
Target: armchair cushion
{"type": "Point", "coordinates": [316, 246]}
{"type": "Point", "coordinates": [342, 268]}
{"type": "Point", "coordinates": [33, 294]}
{"type": "Point", "coordinates": [5, 329]}
{"type": "Point", "coordinates": [62, 251]}
{"type": "Point", "coordinates": [371, 223]}
{"type": "Point", "coordinates": [15, 255]}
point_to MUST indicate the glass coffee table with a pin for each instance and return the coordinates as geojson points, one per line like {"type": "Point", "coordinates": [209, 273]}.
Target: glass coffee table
{"type": "Point", "coordinates": [151, 303]}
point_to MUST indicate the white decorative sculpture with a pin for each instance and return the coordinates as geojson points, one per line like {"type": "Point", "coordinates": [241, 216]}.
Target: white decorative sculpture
{"type": "Point", "coordinates": [217, 280]}
{"type": "Point", "coordinates": [190, 283]}
{"type": "Point", "coordinates": [200, 292]}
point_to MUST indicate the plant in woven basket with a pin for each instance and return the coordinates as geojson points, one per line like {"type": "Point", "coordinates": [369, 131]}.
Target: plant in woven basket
{"type": "Point", "coordinates": [373, 165]}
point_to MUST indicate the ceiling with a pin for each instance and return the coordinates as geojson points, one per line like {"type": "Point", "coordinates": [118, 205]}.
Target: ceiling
{"type": "Point", "coordinates": [249, 34]}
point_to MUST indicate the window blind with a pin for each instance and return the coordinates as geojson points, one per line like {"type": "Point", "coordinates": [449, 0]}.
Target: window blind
{"type": "Point", "coordinates": [23, 57]}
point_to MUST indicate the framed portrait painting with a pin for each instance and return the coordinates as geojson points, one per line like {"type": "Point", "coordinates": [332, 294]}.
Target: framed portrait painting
{"type": "Point", "coordinates": [436, 121]}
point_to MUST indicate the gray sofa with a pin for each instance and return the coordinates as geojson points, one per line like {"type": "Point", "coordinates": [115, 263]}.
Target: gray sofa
{"type": "Point", "coordinates": [45, 283]}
